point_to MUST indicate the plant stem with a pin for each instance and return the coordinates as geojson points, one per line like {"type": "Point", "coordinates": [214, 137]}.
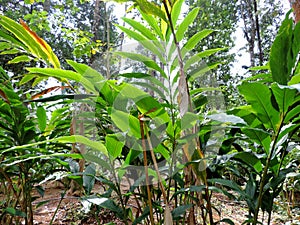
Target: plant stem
{"type": "Point", "coordinates": [265, 173]}
{"type": "Point", "coordinates": [183, 84]}
{"type": "Point", "coordinates": [119, 191]}
{"type": "Point", "coordinates": [60, 201]}
{"type": "Point", "coordinates": [156, 169]}
{"type": "Point", "coordinates": [146, 169]}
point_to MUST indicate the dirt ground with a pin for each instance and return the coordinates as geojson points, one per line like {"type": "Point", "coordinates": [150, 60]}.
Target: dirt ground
{"type": "Point", "coordinates": [71, 212]}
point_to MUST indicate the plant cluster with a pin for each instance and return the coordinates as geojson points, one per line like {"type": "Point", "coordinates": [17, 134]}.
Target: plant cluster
{"type": "Point", "coordinates": [161, 132]}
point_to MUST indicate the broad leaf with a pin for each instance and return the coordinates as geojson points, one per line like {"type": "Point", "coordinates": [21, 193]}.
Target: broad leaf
{"type": "Point", "coordinates": [14, 212]}
{"type": "Point", "coordinates": [259, 136]}
{"type": "Point", "coordinates": [36, 45]}
{"type": "Point", "coordinates": [195, 58]}
{"type": "Point", "coordinates": [180, 210]}
{"type": "Point", "coordinates": [89, 178]}
{"type": "Point", "coordinates": [225, 118]}
{"type": "Point", "coordinates": [259, 97]}
{"type": "Point", "coordinates": [151, 8]}
{"type": "Point", "coordinates": [250, 159]}
{"type": "Point", "coordinates": [284, 97]}
{"type": "Point", "coordinates": [279, 62]}
{"type": "Point", "coordinates": [114, 145]}
{"type": "Point", "coordinates": [64, 75]}
{"type": "Point", "coordinates": [152, 45]}
{"type": "Point", "coordinates": [97, 145]}
{"type": "Point", "coordinates": [126, 122]}
{"type": "Point", "coordinates": [42, 118]}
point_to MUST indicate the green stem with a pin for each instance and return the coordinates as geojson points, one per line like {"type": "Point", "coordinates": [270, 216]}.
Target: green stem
{"type": "Point", "coordinates": [60, 201]}
{"type": "Point", "coordinates": [183, 82]}
{"type": "Point", "coordinates": [118, 190]}
{"type": "Point", "coordinates": [265, 173]}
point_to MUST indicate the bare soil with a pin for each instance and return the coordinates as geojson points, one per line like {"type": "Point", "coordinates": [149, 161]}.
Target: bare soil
{"type": "Point", "coordinates": [70, 211]}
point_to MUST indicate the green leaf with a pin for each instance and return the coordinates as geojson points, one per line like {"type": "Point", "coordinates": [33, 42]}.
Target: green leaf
{"type": "Point", "coordinates": [141, 28]}
{"type": "Point", "coordinates": [11, 40]}
{"type": "Point", "coordinates": [146, 77]}
{"type": "Point", "coordinates": [196, 38]}
{"type": "Point", "coordinates": [188, 20]}
{"type": "Point", "coordinates": [132, 34]}
{"type": "Point", "coordinates": [89, 178]}
{"type": "Point", "coordinates": [126, 122]}
{"type": "Point", "coordinates": [154, 46]}
{"type": "Point", "coordinates": [176, 10]}
{"type": "Point", "coordinates": [279, 61]}
{"type": "Point", "coordinates": [295, 80]}
{"type": "Point", "coordinates": [114, 145]}
{"type": "Point", "coordinates": [259, 97]}
{"type": "Point", "coordinates": [26, 78]}
{"type": "Point", "coordinates": [95, 158]}
{"type": "Point", "coordinates": [225, 118]}
{"type": "Point", "coordinates": [284, 97]}
{"type": "Point", "coordinates": [250, 159]}
{"type": "Point", "coordinates": [259, 136]}
{"type": "Point", "coordinates": [21, 58]}
{"type": "Point", "coordinates": [151, 8]}
{"type": "Point", "coordinates": [15, 212]}
{"type": "Point", "coordinates": [112, 206]}
{"type": "Point", "coordinates": [180, 210]}
{"type": "Point", "coordinates": [255, 68]}
{"type": "Point", "coordinates": [4, 45]}
{"type": "Point", "coordinates": [144, 59]}
{"type": "Point", "coordinates": [292, 114]}
{"type": "Point", "coordinates": [86, 71]}
{"type": "Point", "coordinates": [10, 52]}
{"type": "Point", "coordinates": [228, 183]}
{"type": "Point", "coordinates": [144, 215]}
{"type": "Point", "coordinates": [36, 46]}
{"type": "Point", "coordinates": [145, 103]}
{"type": "Point", "coordinates": [97, 145]}
{"type": "Point", "coordinates": [64, 74]}
{"type": "Point", "coordinates": [42, 118]}
{"type": "Point", "coordinates": [152, 23]}
{"type": "Point", "coordinates": [197, 57]}
{"type": "Point", "coordinates": [189, 120]}
{"type": "Point", "coordinates": [201, 70]}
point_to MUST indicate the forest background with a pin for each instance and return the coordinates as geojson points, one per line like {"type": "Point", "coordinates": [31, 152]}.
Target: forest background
{"type": "Point", "coordinates": [243, 129]}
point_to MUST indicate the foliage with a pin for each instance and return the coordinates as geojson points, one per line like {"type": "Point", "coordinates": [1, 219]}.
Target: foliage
{"type": "Point", "coordinates": [66, 27]}
{"type": "Point", "coordinates": [224, 22]}
{"type": "Point", "coordinates": [153, 133]}
{"type": "Point", "coordinates": [272, 130]}
{"type": "Point", "coordinates": [25, 157]}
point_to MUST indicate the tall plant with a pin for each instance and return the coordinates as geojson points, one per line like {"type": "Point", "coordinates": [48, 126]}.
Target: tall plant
{"type": "Point", "coordinates": [163, 126]}
{"type": "Point", "coordinates": [32, 144]}
{"type": "Point", "coordinates": [272, 125]}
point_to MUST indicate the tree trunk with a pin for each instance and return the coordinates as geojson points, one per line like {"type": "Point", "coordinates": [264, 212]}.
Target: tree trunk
{"type": "Point", "coordinates": [249, 28]}
{"type": "Point", "coordinates": [296, 7]}
{"type": "Point", "coordinates": [96, 26]}
{"type": "Point", "coordinates": [249, 13]}
{"type": "Point", "coordinates": [257, 27]}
